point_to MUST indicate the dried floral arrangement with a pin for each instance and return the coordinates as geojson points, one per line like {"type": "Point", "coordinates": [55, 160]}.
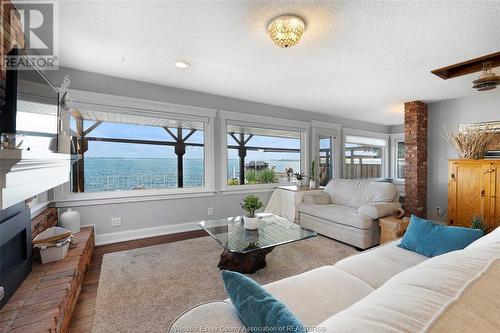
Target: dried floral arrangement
{"type": "Point", "coordinates": [472, 142]}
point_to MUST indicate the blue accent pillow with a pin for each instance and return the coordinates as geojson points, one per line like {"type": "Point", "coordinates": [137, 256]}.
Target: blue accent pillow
{"type": "Point", "coordinates": [257, 308]}
{"type": "Point", "coordinates": [433, 239]}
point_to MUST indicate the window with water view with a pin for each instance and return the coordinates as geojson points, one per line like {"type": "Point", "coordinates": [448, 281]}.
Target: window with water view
{"type": "Point", "coordinates": [261, 156]}
{"type": "Point", "coordinates": [118, 152]}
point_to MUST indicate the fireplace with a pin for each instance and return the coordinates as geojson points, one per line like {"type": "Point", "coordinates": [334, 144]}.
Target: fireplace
{"type": "Point", "coordinates": [15, 249]}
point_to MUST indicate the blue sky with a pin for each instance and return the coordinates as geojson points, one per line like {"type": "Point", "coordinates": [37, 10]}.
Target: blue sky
{"type": "Point", "coordinates": [129, 131]}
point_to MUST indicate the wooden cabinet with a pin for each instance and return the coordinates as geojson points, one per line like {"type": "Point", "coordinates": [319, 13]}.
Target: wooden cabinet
{"type": "Point", "coordinates": [495, 194]}
{"type": "Point", "coordinates": [473, 188]}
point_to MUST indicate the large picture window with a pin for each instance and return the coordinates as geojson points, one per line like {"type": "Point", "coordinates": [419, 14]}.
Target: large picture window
{"type": "Point", "coordinates": [364, 157]}
{"type": "Point", "coordinates": [262, 156]}
{"type": "Point", "coordinates": [121, 152]}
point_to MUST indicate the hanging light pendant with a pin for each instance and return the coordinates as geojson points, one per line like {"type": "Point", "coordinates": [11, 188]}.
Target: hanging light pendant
{"type": "Point", "coordinates": [286, 30]}
{"type": "Point", "coordinates": [487, 80]}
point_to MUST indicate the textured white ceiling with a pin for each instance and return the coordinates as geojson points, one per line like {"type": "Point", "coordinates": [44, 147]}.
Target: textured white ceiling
{"type": "Point", "coordinates": [357, 59]}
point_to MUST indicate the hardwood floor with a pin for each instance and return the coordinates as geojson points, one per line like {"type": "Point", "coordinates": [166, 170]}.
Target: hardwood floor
{"type": "Point", "coordinates": [84, 309]}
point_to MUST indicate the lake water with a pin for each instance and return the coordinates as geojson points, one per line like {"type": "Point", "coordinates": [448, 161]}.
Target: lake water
{"type": "Point", "coordinates": [112, 174]}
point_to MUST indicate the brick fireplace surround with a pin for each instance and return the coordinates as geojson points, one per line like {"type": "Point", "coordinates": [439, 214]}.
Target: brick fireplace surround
{"type": "Point", "coordinates": [415, 130]}
{"type": "Point", "coordinates": [46, 299]}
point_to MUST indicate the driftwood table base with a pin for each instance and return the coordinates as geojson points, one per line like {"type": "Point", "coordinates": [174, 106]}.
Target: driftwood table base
{"type": "Point", "coordinates": [246, 263]}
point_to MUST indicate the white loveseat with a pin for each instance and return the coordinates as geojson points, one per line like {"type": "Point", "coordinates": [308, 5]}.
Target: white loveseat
{"type": "Point", "coordinates": [385, 289]}
{"type": "Point", "coordinates": [348, 210]}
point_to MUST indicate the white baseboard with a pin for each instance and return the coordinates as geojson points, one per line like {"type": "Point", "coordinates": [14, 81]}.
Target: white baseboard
{"type": "Point", "coordinates": [122, 236]}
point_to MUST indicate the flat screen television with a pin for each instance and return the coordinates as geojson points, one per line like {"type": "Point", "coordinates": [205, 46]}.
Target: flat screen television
{"type": "Point", "coordinates": [31, 108]}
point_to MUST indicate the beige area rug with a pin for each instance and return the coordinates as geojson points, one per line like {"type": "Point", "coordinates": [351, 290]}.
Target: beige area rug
{"type": "Point", "coordinates": [143, 290]}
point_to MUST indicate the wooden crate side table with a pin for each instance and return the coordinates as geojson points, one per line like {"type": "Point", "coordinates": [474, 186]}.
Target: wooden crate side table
{"type": "Point", "coordinates": [391, 228]}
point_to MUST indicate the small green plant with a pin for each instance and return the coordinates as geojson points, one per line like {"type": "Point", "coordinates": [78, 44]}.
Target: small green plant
{"type": "Point", "coordinates": [233, 181]}
{"type": "Point", "coordinates": [267, 176]}
{"type": "Point", "coordinates": [478, 222]}
{"type": "Point", "coordinates": [251, 203]}
{"type": "Point", "coordinates": [251, 176]}
{"type": "Point", "coordinates": [313, 171]}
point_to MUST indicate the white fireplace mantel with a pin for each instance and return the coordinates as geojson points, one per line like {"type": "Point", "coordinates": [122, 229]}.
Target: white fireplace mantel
{"type": "Point", "coordinates": [24, 174]}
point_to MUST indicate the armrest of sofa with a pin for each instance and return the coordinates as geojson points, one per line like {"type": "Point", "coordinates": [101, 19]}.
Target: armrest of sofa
{"type": "Point", "coordinates": [317, 198]}
{"type": "Point", "coordinates": [378, 210]}
{"type": "Point", "coordinates": [211, 317]}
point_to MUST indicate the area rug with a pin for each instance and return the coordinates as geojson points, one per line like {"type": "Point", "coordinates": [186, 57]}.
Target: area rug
{"type": "Point", "coordinates": [145, 289]}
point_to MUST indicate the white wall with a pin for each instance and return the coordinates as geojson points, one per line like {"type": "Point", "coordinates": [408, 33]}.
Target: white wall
{"type": "Point", "coordinates": [173, 215]}
{"type": "Point", "coordinates": [104, 84]}
{"type": "Point", "coordinates": [475, 108]}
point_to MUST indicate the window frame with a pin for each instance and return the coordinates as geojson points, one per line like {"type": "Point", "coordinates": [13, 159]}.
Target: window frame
{"type": "Point", "coordinates": [395, 140]}
{"type": "Point", "coordinates": [233, 118]}
{"type": "Point", "coordinates": [328, 129]}
{"type": "Point", "coordinates": [63, 194]}
{"type": "Point", "coordinates": [372, 135]}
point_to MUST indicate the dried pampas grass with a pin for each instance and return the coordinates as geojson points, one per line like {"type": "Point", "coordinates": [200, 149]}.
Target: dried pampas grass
{"type": "Point", "coordinates": [472, 142]}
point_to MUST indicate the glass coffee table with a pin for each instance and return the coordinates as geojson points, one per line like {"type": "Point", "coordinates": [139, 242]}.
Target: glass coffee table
{"type": "Point", "coordinates": [245, 250]}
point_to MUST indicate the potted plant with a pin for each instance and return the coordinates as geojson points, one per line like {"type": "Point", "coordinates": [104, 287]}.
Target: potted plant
{"type": "Point", "coordinates": [478, 222]}
{"type": "Point", "coordinates": [250, 204]}
{"type": "Point", "coordinates": [299, 178]}
{"type": "Point", "coordinates": [313, 180]}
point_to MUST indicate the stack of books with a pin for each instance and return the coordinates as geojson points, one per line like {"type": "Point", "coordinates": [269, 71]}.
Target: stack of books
{"type": "Point", "coordinates": [493, 154]}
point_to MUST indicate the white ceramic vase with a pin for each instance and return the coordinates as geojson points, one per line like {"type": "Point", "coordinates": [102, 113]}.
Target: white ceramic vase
{"type": "Point", "coordinates": [298, 182]}
{"type": "Point", "coordinates": [251, 223]}
{"type": "Point", "coordinates": [70, 220]}
{"type": "Point", "coordinates": [312, 184]}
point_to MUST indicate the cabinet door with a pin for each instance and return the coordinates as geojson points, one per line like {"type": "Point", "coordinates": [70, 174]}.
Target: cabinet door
{"type": "Point", "coordinates": [470, 186]}
{"type": "Point", "coordinates": [495, 195]}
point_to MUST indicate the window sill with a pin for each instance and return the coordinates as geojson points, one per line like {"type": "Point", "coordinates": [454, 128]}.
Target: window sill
{"type": "Point", "coordinates": [91, 199]}
{"type": "Point", "coordinates": [257, 188]}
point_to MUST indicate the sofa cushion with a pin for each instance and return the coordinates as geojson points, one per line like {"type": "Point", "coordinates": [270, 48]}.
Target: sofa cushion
{"type": "Point", "coordinates": [433, 239]}
{"type": "Point", "coordinates": [339, 214]}
{"type": "Point", "coordinates": [321, 198]}
{"type": "Point", "coordinates": [378, 265]}
{"type": "Point", "coordinates": [356, 192]}
{"type": "Point", "coordinates": [475, 308]}
{"type": "Point", "coordinates": [491, 238]}
{"type": "Point", "coordinates": [415, 299]}
{"type": "Point", "coordinates": [258, 308]}
{"type": "Point", "coordinates": [320, 293]}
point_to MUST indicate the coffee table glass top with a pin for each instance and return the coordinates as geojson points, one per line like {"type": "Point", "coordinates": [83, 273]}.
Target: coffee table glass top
{"type": "Point", "coordinates": [272, 231]}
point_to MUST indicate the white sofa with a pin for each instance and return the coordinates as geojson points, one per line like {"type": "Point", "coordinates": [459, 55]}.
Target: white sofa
{"type": "Point", "coordinates": [348, 210]}
{"type": "Point", "coordinates": [385, 289]}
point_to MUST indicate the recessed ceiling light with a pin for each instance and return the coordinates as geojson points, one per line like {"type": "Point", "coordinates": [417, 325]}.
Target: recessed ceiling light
{"type": "Point", "coordinates": [182, 64]}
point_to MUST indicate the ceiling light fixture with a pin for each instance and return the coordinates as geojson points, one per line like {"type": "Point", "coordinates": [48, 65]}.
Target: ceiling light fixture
{"type": "Point", "coordinates": [182, 64]}
{"type": "Point", "coordinates": [487, 80]}
{"type": "Point", "coordinates": [286, 30]}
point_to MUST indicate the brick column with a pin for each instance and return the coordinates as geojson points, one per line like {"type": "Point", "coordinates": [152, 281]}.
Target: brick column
{"type": "Point", "coordinates": [416, 119]}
